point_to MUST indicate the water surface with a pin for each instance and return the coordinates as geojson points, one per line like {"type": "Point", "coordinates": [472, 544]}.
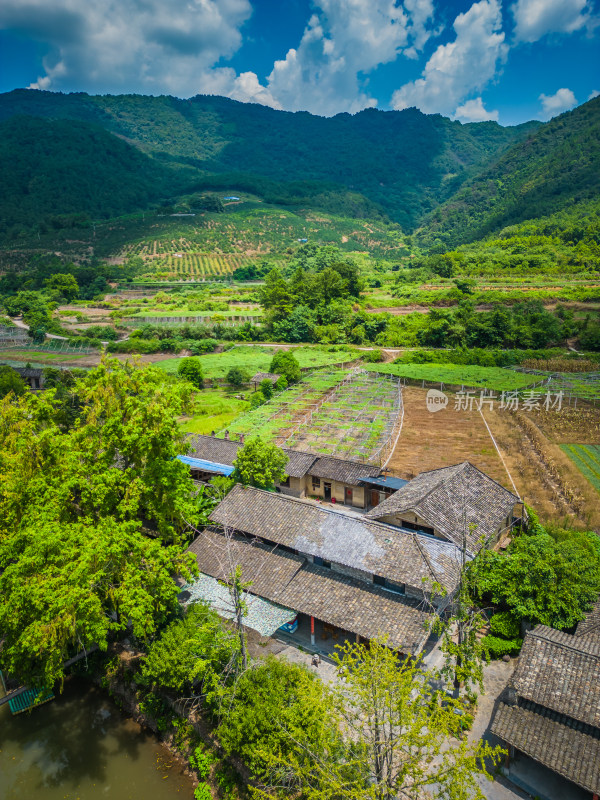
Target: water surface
{"type": "Point", "coordinates": [80, 746]}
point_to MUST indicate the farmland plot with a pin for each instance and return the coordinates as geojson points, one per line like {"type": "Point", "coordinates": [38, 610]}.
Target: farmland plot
{"type": "Point", "coordinates": [586, 458]}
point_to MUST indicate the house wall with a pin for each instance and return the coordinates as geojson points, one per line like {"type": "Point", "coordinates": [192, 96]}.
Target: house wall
{"type": "Point", "coordinates": [295, 489]}
{"type": "Point", "coordinates": [338, 491]}
{"type": "Point", "coordinates": [410, 516]}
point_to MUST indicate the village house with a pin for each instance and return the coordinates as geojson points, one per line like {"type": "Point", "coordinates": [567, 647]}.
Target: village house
{"type": "Point", "coordinates": [340, 575]}
{"type": "Point", "coordinates": [460, 504]}
{"type": "Point", "coordinates": [335, 480]}
{"type": "Point", "coordinates": [345, 574]}
{"type": "Point", "coordinates": [550, 711]}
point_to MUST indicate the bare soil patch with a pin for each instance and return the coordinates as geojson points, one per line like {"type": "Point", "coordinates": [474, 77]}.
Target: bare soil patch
{"type": "Point", "coordinates": [429, 441]}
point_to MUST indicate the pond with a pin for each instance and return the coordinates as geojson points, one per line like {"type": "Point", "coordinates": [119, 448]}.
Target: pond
{"type": "Point", "coordinates": [80, 746]}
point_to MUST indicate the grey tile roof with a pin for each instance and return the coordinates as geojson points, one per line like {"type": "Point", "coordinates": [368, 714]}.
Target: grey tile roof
{"type": "Point", "coordinates": [352, 541]}
{"type": "Point", "coordinates": [299, 463]}
{"type": "Point", "coordinates": [265, 376]}
{"type": "Point", "coordinates": [590, 626]}
{"type": "Point", "coordinates": [331, 597]}
{"type": "Point", "coordinates": [571, 750]}
{"type": "Point", "coordinates": [560, 672]}
{"type": "Point", "coordinates": [440, 495]}
{"type": "Point", "coordinates": [209, 448]}
{"type": "Point", "coordinates": [338, 469]}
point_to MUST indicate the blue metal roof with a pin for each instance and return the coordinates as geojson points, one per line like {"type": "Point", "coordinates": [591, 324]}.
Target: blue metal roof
{"type": "Point", "coordinates": [389, 482]}
{"type": "Point", "coordinates": [207, 466]}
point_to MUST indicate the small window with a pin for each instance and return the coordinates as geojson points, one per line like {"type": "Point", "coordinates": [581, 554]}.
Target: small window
{"type": "Point", "coordinates": [316, 483]}
{"type": "Point", "coordinates": [415, 526]}
{"type": "Point", "coordinates": [390, 586]}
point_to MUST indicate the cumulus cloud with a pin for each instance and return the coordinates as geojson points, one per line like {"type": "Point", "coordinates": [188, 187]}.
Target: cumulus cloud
{"type": "Point", "coordinates": [459, 68]}
{"type": "Point", "coordinates": [554, 104]}
{"type": "Point", "coordinates": [475, 111]}
{"type": "Point", "coordinates": [133, 45]}
{"type": "Point", "coordinates": [593, 94]}
{"type": "Point", "coordinates": [536, 18]}
{"type": "Point", "coordinates": [343, 40]}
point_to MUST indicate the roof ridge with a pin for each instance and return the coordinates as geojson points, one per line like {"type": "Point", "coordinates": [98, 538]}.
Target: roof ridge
{"type": "Point", "coordinates": [426, 558]}
{"type": "Point", "coordinates": [338, 512]}
{"type": "Point", "coordinates": [543, 636]}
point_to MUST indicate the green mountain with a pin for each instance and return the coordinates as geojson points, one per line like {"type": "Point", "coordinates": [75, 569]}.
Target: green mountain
{"type": "Point", "coordinates": [68, 167]}
{"type": "Point", "coordinates": [555, 168]}
{"type": "Point", "coordinates": [404, 163]}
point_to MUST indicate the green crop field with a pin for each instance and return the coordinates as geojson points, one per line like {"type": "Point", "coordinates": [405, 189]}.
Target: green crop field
{"type": "Point", "coordinates": [456, 374]}
{"type": "Point", "coordinates": [258, 359]}
{"type": "Point", "coordinates": [586, 458]}
{"type": "Point", "coordinates": [184, 311]}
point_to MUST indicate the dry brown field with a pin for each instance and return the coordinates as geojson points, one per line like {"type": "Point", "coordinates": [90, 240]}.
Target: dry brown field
{"type": "Point", "coordinates": [529, 443]}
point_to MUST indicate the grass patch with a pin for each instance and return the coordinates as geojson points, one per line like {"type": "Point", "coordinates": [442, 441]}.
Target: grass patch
{"type": "Point", "coordinates": [458, 374]}
{"type": "Point", "coordinates": [39, 356]}
{"type": "Point", "coordinates": [586, 458]}
{"type": "Point", "coordinates": [258, 359]}
{"type": "Point", "coordinates": [214, 410]}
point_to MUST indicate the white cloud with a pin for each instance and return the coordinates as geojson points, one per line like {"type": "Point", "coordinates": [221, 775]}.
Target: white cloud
{"type": "Point", "coordinates": [536, 18]}
{"type": "Point", "coordinates": [554, 104]}
{"type": "Point", "coordinates": [132, 45]}
{"type": "Point", "coordinates": [475, 111]}
{"type": "Point", "coordinates": [593, 94]}
{"type": "Point", "coordinates": [459, 68]}
{"type": "Point", "coordinates": [343, 40]}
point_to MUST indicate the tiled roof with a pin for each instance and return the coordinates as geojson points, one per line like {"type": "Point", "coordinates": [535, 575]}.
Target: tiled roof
{"type": "Point", "coordinates": [299, 463]}
{"type": "Point", "coordinates": [560, 672]}
{"type": "Point", "coordinates": [294, 582]}
{"type": "Point", "coordinates": [265, 376]}
{"type": "Point", "coordinates": [223, 451]}
{"type": "Point", "coordinates": [338, 469]}
{"type": "Point", "coordinates": [590, 626]}
{"type": "Point", "coordinates": [451, 497]}
{"type": "Point", "coordinates": [351, 541]}
{"type": "Point", "coordinates": [571, 750]}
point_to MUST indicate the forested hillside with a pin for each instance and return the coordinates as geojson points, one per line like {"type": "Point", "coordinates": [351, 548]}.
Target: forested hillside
{"type": "Point", "coordinates": [65, 167]}
{"type": "Point", "coordinates": [405, 162]}
{"type": "Point", "coordinates": [555, 167]}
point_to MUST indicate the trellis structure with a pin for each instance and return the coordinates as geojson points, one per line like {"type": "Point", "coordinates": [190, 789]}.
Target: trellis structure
{"type": "Point", "coordinates": [359, 419]}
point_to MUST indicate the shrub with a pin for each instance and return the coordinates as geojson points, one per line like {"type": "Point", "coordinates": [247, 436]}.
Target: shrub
{"type": "Point", "coordinates": [237, 377]}
{"type": "Point", "coordinates": [285, 363]}
{"type": "Point", "coordinates": [372, 356]}
{"type": "Point", "coordinates": [496, 647]}
{"type": "Point", "coordinates": [202, 792]}
{"type": "Point", "coordinates": [505, 624]}
{"type": "Point", "coordinates": [191, 370]}
{"type": "Point", "coordinates": [201, 762]}
{"type": "Point", "coordinates": [266, 387]}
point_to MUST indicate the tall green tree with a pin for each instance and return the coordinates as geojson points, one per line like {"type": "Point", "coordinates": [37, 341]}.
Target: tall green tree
{"type": "Point", "coordinates": [76, 504]}
{"type": "Point", "coordinates": [259, 463]}
{"type": "Point", "coordinates": [400, 738]}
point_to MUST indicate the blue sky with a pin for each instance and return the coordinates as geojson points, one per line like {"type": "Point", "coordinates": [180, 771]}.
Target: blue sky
{"type": "Point", "coordinates": [509, 61]}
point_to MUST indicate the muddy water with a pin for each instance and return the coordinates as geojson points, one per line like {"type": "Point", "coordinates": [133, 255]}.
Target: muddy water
{"type": "Point", "coordinates": [81, 747]}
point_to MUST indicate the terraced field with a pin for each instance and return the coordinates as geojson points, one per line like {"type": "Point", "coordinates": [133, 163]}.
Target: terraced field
{"type": "Point", "coordinates": [586, 458]}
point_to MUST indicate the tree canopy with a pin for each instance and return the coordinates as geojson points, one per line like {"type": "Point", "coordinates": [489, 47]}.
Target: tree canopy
{"type": "Point", "coordinates": [78, 496]}
{"type": "Point", "coordinates": [259, 463]}
{"type": "Point", "coordinates": [548, 576]}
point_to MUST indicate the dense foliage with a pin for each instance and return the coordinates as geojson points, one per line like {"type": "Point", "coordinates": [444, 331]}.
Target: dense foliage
{"type": "Point", "coordinates": [396, 162]}
{"type": "Point", "coordinates": [77, 492]}
{"type": "Point", "coordinates": [548, 575]}
{"type": "Point", "coordinates": [556, 165]}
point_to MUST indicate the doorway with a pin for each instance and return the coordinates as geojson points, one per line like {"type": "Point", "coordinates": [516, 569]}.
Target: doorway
{"type": "Point", "coordinates": [348, 496]}
{"type": "Point", "coordinates": [327, 491]}
{"type": "Point", "coordinates": [374, 497]}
